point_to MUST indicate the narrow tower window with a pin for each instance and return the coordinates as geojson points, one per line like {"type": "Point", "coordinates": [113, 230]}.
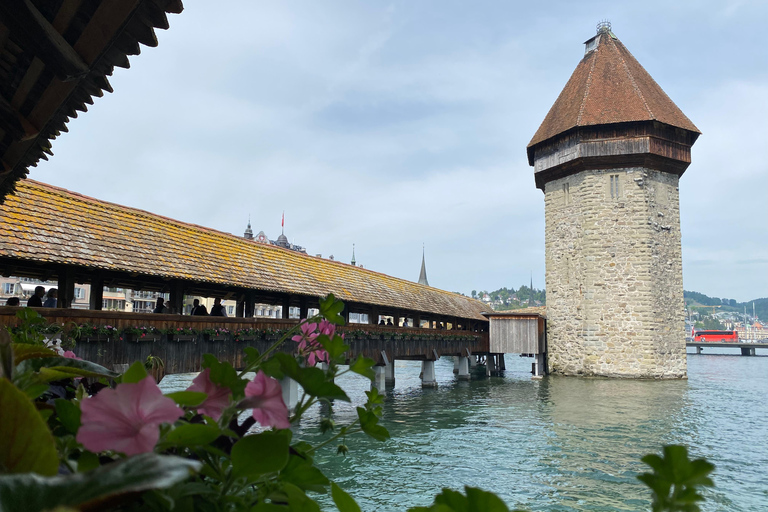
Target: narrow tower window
{"type": "Point", "coordinates": [566, 193]}
{"type": "Point", "coordinates": [614, 186]}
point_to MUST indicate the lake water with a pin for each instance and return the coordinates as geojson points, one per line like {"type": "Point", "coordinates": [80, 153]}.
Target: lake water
{"type": "Point", "coordinates": [556, 444]}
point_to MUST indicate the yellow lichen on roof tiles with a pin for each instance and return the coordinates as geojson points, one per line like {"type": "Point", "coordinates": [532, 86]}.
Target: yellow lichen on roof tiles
{"type": "Point", "coordinates": [66, 227]}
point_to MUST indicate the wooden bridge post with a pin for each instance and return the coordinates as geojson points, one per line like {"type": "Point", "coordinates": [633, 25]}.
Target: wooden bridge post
{"type": "Point", "coordinates": [66, 287]}
{"type": "Point", "coordinates": [96, 299]}
{"type": "Point", "coordinates": [303, 308]}
{"type": "Point", "coordinates": [286, 306]}
{"type": "Point", "coordinates": [389, 370]}
{"type": "Point", "coordinates": [176, 297]}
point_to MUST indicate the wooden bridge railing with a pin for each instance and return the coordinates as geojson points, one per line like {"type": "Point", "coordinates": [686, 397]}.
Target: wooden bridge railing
{"type": "Point", "coordinates": [134, 336]}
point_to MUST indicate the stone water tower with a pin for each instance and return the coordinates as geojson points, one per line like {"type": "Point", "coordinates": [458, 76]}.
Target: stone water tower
{"type": "Point", "coordinates": [608, 158]}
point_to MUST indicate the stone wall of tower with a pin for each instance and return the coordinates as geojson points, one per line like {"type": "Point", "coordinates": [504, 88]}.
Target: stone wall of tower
{"type": "Point", "coordinates": [614, 275]}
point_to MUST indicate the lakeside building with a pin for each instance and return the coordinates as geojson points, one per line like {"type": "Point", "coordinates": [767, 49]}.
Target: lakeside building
{"type": "Point", "coordinates": [608, 157]}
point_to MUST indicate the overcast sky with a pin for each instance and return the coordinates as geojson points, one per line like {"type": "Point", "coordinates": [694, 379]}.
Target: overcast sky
{"type": "Point", "coordinates": [389, 125]}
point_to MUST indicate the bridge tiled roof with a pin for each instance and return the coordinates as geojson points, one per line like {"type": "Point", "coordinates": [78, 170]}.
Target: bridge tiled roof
{"type": "Point", "coordinates": [609, 86]}
{"type": "Point", "coordinates": [46, 224]}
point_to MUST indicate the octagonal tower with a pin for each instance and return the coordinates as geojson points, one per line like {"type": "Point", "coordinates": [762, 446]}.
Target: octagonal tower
{"type": "Point", "coordinates": [608, 158]}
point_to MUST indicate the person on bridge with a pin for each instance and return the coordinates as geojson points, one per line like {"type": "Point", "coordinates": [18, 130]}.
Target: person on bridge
{"type": "Point", "coordinates": [159, 307]}
{"type": "Point", "coordinates": [217, 309]}
{"type": "Point", "coordinates": [197, 309]}
{"type": "Point", "coordinates": [36, 301]}
{"type": "Point", "coordinates": [12, 301]}
{"type": "Point", "coordinates": [381, 322]}
{"type": "Point", "coordinates": [51, 298]}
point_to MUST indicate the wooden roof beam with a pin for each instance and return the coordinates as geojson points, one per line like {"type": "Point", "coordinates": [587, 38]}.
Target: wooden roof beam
{"type": "Point", "coordinates": [31, 27]}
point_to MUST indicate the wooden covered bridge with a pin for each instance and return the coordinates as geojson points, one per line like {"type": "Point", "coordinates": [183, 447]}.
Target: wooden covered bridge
{"type": "Point", "coordinates": [50, 233]}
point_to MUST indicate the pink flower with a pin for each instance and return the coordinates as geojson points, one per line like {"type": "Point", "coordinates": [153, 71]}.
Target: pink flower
{"type": "Point", "coordinates": [69, 354]}
{"type": "Point", "coordinates": [327, 328]}
{"type": "Point", "coordinates": [126, 419]}
{"type": "Point", "coordinates": [307, 336]}
{"type": "Point", "coordinates": [218, 396]}
{"type": "Point", "coordinates": [265, 396]}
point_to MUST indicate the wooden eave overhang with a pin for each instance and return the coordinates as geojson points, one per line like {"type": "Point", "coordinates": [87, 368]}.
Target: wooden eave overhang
{"type": "Point", "coordinates": [51, 227]}
{"type": "Point", "coordinates": [55, 57]}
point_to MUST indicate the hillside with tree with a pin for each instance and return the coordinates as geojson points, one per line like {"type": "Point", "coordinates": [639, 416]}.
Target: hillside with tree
{"type": "Point", "coordinates": [705, 305]}
{"type": "Point", "coordinates": [506, 299]}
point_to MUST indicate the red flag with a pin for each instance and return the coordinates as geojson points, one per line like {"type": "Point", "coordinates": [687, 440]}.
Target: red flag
{"type": "Point", "coordinates": [282, 222]}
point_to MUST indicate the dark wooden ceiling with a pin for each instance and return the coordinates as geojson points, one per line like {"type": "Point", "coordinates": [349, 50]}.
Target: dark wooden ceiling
{"type": "Point", "coordinates": [55, 57]}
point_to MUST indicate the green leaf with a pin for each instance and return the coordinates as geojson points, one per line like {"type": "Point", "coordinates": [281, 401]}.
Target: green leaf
{"type": "Point", "coordinates": [68, 414]}
{"type": "Point", "coordinates": [344, 502]}
{"type": "Point", "coordinates": [298, 501]}
{"type": "Point", "coordinates": [363, 366]}
{"type": "Point", "coordinates": [24, 351]}
{"type": "Point", "coordinates": [188, 398]}
{"type": "Point", "coordinates": [251, 355]}
{"type": "Point", "coordinates": [222, 374]}
{"type": "Point", "coordinates": [331, 309]}
{"type": "Point", "coordinates": [6, 355]}
{"type": "Point", "coordinates": [334, 346]}
{"type": "Point", "coordinates": [137, 372]}
{"type": "Point", "coordinates": [27, 445]}
{"type": "Point", "coordinates": [55, 368]}
{"type": "Point", "coordinates": [21, 493]}
{"type": "Point", "coordinates": [475, 500]}
{"type": "Point", "coordinates": [87, 461]}
{"type": "Point", "coordinates": [193, 435]}
{"type": "Point", "coordinates": [301, 472]}
{"type": "Point", "coordinates": [675, 479]}
{"type": "Point", "coordinates": [369, 422]}
{"type": "Point", "coordinates": [258, 454]}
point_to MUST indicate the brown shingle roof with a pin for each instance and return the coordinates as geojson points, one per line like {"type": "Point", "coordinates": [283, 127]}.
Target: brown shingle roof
{"type": "Point", "coordinates": [56, 57]}
{"type": "Point", "coordinates": [609, 86]}
{"type": "Point", "coordinates": [48, 224]}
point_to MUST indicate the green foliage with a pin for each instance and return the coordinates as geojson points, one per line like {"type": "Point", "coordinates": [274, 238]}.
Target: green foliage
{"type": "Point", "coordinates": [27, 444]}
{"type": "Point", "coordinates": [259, 454]}
{"type": "Point", "coordinates": [676, 480]}
{"type": "Point", "coordinates": [94, 490]}
{"type": "Point", "coordinates": [474, 500]}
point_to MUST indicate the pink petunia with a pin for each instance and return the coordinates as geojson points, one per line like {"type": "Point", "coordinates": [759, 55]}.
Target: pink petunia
{"type": "Point", "coordinates": [69, 355]}
{"type": "Point", "coordinates": [265, 396]}
{"type": "Point", "coordinates": [218, 396]}
{"type": "Point", "coordinates": [126, 419]}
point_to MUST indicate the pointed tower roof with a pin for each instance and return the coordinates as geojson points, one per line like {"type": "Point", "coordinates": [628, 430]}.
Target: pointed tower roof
{"type": "Point", "coordinates": [248, 235]}
{"type": "Point", "coordinates": [609, 96]}
{"type": "Point", "coordinates": [609, 86]}
{"type": "Point", "coordinates": [423, 274]}
{"type": "Point", "coordinates": [353, 262]}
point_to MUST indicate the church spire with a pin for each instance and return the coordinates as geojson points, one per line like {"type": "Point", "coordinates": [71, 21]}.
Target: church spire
{"type": "Point", "coordinates": [353, 255]}
{"type": "Point", "coordinates": [248, 231]}
{"type": "Point", "coordinates": [423, 274]}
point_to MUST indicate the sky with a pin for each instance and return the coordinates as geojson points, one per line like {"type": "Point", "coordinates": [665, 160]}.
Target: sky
{"type": "Point", "coordinates": [402, 126]}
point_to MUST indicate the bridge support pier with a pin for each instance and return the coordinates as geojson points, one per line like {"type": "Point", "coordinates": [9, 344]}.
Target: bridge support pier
{"type": "Point", "coordinates": [472, 361]}
{"type": "Point", "coordinates": [463, 369]}
{"type": "Point", "coordinates": [490, 364]}
{"type": "Point", "coordinates": [428, 374]}
{"type": "Point", "coordinates": [747, 351]}
{"type": "Point", "coordinates": [456, 364]}
{"type": "Point", "coordinates": [539, 366]}
{"type": "Point", "coordinates": [290, 392]}
{"type": "Point", "coordinates": [699, 349]}
{"type": "Point", "coordinates": [379, 378]}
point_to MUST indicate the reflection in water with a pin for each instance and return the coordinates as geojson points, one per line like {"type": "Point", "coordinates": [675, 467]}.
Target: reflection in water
{"type": "Point", "coordinates": [562, 444]}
